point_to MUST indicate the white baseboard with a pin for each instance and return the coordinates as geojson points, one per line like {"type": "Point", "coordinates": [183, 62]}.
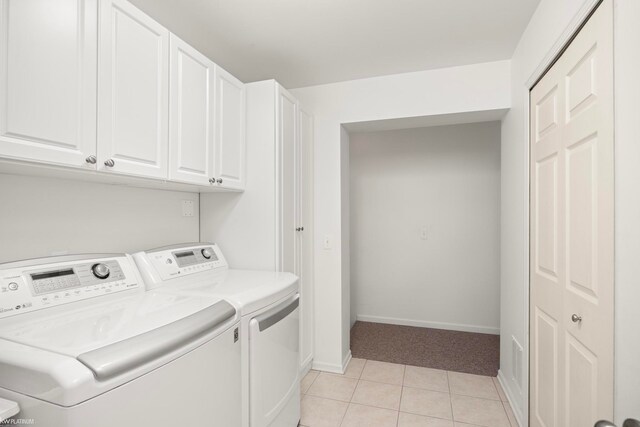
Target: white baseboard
{"type": "Point", "coordinates": [427, 324]}
{"type": "Point", "coordinates": [331, 367]}
{"type": "Point", "coordinates": [517, 412]}
{"type": "Point", "coordinates": [326, 367]}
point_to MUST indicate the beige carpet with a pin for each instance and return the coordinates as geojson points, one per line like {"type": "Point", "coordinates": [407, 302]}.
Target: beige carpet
{"type": "Point", "coordinates": [467, 352]}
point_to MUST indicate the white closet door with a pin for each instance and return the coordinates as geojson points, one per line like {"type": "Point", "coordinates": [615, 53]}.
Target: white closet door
{"type": "Point", "coordinates": [133, 91]}
{"type": "Point", "coordinates": [191, 144]}
{"type": "Point", "coordinates": [304, 268]}
{"type": "Point", "coordinates": [230, 141]}
{"type": "Point", "coordinates": [572, 232]}
{"type": "Point", "coordinates": [287, 116]}
{"type": "Point", "coordinates": [48, 80]}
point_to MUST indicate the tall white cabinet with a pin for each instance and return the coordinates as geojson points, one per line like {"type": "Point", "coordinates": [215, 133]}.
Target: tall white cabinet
{"type": "Point", "coordinates": [48, 80]}
{"type": "Point", "coordinates": [270, 225]}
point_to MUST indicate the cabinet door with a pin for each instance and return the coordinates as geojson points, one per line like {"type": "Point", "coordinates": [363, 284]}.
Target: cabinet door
{"type": "Point", "coordinates": [191, 118]}
{"type": "Point", "coordinates": [230, 123]}
{"type": "Point", "coordinates": [304, 194]}
{"type": "Point", "coordinates": [133, 91]}
{"type": "Point", "coordinates": [287, 138]}
{"type": "Point", "coordinates": [48, 80]}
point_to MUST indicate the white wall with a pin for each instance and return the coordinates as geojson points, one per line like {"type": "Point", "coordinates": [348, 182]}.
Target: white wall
{"type": "Point", "coordinates": [548, 30]}
{"type": "Point", "coordinates": [476, 87]}
{"type": "Point", "coordinates": [43, 216]}
{"type": "Point", "coordinates": [445, 179]}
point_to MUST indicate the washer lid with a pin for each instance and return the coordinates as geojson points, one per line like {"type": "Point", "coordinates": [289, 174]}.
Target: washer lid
{"type": "Point", "coordinates": [69, 354]}
{"type": "Point", "coordinates": [86, 327]}
{"type": "Point", "coordinates": [247, 289]}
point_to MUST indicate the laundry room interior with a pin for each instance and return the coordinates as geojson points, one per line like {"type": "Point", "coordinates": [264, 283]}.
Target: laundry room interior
{"type": "Point", "coordinates": [334, 214]}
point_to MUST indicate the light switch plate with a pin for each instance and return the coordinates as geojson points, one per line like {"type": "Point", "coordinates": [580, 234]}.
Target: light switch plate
{"type": "Point", "coordinates": [423, 233]}
{"type": "Point", "coordinates": [187, 208]}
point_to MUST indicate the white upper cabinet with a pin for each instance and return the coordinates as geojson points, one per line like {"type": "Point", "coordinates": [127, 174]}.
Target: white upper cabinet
{"type": "Point", "coordinates": [191, 116]}
{"type": "Point", "coordinates": [48, 80]}
{"type": "Point", "coordinates": [230, 134]}
{"type": "Point", "coordinates": [99, 85]}
{"type": "Point", "coordinates": [133, 88]}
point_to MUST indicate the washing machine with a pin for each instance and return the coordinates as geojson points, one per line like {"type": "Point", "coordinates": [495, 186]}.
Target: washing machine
{"type": "Point", "coordinates": [268, 305]}
{"type": "Point", "coordinates": [83, 344]}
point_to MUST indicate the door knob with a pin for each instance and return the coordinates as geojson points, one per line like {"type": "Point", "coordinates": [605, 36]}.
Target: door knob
{"type": "Point", "coordinates": [91, 160]}
{"type": "Point", "coordinates": [212, 180]}
{"type": "Point", "coordinates": [219, 180]}
{"type": "Point", "coordinates": [575, 318]}
{"type": "Point", "coordinates": [109, 163]}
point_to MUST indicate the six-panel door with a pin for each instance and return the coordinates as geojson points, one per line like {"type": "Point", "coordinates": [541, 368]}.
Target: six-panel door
{"type": "Point", "coordinates": [48, 81]}
{"type": "Point", "coordinates": [571, 255]}
{"type": "Point", "coordinates": [192, 118]}
{"type": "Point", "coordinates": [133, 89]}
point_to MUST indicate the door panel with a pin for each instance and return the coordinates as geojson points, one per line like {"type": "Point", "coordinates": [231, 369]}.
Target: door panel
{"type": "Point", "coordinates": [546, 369]}
{"type": "Point", "coordinates": [230, 141]}
{"type": "Point", "coordinates": [48, 80]}
{"type": "Point", "coordinates": [191, 144]}
{"type": "Point", "coordinates": [133, 91]}
{"type": "Point", "coordinates": [287, 138]}
{"type": "Point", "coordinates": [305, 236]}
{"type": "Point", "coordinates": [572, 232]}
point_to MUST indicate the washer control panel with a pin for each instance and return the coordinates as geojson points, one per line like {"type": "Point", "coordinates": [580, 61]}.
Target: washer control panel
{"type": "Point", "coordinates": [35, 284]}
{"type": "Point", "coordinates": [173, 262]}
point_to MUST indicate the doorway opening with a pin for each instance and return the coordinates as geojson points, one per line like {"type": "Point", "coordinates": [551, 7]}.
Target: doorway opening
{"type": "Point", "coordinates": [424, 242]}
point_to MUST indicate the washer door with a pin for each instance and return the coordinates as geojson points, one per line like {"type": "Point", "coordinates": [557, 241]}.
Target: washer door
{"type": "Point", "coordinates": [273, 366]}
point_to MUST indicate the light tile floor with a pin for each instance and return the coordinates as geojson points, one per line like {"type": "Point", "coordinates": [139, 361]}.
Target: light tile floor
{"type": "Point", "coordinates": [379, 394]}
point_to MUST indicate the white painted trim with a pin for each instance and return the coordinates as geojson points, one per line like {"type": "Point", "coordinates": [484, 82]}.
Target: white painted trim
{"type": "Point", "coordinates": [517, 412]}
{"type": "Point", "coordinates": [428, 324]}
{"type": "Point", "coordinates": [552, 54]}
{"type": "Point", "coordinates": [327, 367]}
{"type": "Point", "coordinates": [304, 369]}
{"type": "Point", "coordinates": [345, 361]}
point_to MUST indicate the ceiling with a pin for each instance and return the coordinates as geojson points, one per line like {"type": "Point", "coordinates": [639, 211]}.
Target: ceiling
{"type": "Point", "coordinates": [309, 42]}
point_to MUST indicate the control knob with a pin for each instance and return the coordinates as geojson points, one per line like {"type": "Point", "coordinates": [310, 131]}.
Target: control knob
{"type": "Point", "coordinates": [207, 253]}
{"type": "Point", "coordinates": [101, 271]}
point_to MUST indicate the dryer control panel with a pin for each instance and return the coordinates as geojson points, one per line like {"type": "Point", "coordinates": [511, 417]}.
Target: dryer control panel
{"type": "Point", "coordinates": [178, 261]}
{"type": "Point", "coordinates": [41, 283]}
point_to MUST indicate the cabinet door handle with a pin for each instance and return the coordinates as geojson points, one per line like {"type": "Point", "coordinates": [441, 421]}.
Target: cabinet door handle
{"type": "Point", "coordinates": [91, 160]}
{"type": "Point", "coordinates": [212, 180]}
{"type": "Point", "coordinates": [300, 229]}
{"type": "Point", "coordinates": [109, 163]}
{"type": "Point", "coordinates": [219, 180]}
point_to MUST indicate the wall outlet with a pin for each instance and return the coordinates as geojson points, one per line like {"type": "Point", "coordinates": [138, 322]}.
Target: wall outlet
{"type": "Point", "coordinates": [326, 242]}
{"type": "Point", "coordinates": [423, 233]}
{"type": "Point", "coordinates": [187, 208]}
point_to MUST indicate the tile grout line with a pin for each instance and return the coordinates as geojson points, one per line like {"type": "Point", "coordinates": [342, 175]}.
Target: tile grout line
{"type": "Point", "coordinates": [354, 391]}
{"type": "Point", "coordinates": [404, 374]}
{"type": "Point", "coordinates": [453, 417]}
